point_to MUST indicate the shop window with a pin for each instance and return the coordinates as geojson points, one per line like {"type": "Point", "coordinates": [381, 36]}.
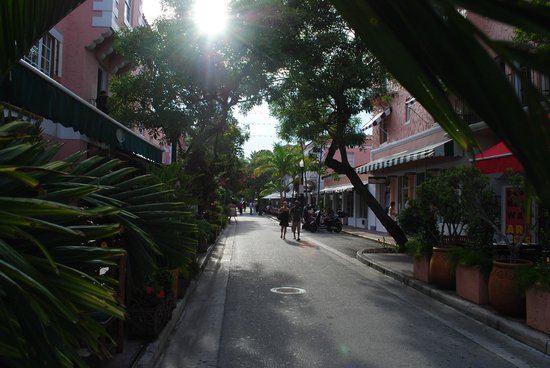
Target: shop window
{"type": "Point", "coordinates": [404, 191]}
{"type": "Point", "coordinates": [349, 204]}
{"type": "Point", "coordinates": [420, 177]}
{"type": "Point", "coordinates": [363, 208]}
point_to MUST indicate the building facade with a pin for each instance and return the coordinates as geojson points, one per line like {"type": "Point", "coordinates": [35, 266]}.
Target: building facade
{"type": "Point", "coordinates": [409, 145]}
{"type": "Point", "coordinates": [76, 61]}
{"type": "Point", "coordinates": [337, 192]}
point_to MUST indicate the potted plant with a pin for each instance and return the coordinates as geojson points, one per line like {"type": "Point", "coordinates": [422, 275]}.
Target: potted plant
{"type": "Point", "coordinates": [536, 283]}
{"type": "Point", "coordinates": [150, 307]}
{"type": "Point", "coordinates": [473, 263]}
{"type": "Point", "coordinates": [505, 293]}
{"type": "Point", "coordinates": [421, 251]}
{"type": "Point", "coordinates": [442, 195]}
{"type": "Point", "coordinates": [419, 224]}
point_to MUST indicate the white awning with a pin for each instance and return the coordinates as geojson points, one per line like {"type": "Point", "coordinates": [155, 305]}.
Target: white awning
{"type": "Point", "coordinates": [272, 196]}
{"type": "Point", "coordinates": [339, 188]}
{"type": "Point", "coordinates": [442, 149]}
{"type": "Point", "coordinates": [378, 118]}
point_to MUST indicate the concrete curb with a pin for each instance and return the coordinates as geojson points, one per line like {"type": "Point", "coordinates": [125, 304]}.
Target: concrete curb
{"type": "Point", "coordinates": [151, 354]}
{"type": "Point", "coordinates": [514, 329]}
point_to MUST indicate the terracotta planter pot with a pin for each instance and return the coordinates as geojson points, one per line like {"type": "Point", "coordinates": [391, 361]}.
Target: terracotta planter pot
{"type": "Point", "coordinates": [421, 268]}
{"type": "Point", "coordinates": [538, 308]}
{"type": "Point", "coordinates": [472, 284]}
{"type": "Point", "coordinates": [504, 293]}
{"type": "Point", "coordinates": [149, 321]}
{"type": "Point", "coordinates": [442, 274]}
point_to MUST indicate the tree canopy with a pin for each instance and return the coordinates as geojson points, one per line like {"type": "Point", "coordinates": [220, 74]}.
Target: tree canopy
{"type": "Point", "coordinates": [326, 78]}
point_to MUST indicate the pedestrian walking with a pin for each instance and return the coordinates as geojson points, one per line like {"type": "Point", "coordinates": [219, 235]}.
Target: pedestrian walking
{"type": "Point", "coordinates": [296, 218]}
{"type": "Point", "coordinates": [392, 211]}
{"type": "Point", "coordinates": [283, 219]}
{"type": "Point", "coordinates": [232, 212]}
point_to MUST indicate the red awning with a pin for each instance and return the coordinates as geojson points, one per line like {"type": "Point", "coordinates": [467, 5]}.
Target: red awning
{"type": "Point", "coordinates": [497, 159]}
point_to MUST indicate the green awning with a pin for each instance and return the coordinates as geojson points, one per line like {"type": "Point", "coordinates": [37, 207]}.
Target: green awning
{"type": "Point", "coordinates": [24, 22]}
{"type": "Point", "coordinates": [29, 89]}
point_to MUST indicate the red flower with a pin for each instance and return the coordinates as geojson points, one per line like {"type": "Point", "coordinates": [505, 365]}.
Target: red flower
{"type": "Point", "coordinates": [149, 290]}
{"type": "Point", "coordinates": [161, 294]}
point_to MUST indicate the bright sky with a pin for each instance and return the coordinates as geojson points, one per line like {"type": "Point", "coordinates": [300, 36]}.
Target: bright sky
{"type": "Point", "coordinates": [151, 9]}
{"type": "Point", "coordinates": [262, 126]}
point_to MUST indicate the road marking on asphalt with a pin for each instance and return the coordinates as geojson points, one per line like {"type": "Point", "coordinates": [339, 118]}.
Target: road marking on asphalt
{"type": "Point", "coordinates": [286, 290]}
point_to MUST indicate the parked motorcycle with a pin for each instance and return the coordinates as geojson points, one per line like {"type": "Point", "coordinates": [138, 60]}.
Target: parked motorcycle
{"type": "Point", "coordinates": [318, 220]}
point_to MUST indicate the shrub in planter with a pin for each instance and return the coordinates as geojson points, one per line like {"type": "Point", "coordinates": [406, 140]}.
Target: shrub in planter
{"type": "Point", "coordinates": [460, 198]}
{"type": "Point", "coordinates": [535, 281]}
{"type": "Point", "coordinates": [421, 252]}
{"type": "Point", "coordinates": [419, 223]}
{"type": "Point", "coordinates": [151, 305]}
{"type": "Point", "coordinates": [203, 235]}
{"type": "Point", "coordinates": [473, 266]}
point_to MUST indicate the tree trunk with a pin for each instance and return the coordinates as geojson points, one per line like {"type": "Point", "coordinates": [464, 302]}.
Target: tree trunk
{"type": "Point", "coordinates": [391, 226]}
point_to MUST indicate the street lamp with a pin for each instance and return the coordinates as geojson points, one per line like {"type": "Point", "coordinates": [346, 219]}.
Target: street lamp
{"type": "Point", "coordinates": [302, 186]}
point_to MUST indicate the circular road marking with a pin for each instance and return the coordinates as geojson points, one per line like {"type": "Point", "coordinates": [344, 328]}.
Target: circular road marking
{"type": "Point", "coordinates": [287, 290]}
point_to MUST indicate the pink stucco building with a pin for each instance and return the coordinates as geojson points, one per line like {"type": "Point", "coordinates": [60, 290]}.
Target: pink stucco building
{"type": "Point", "coordinates": [76, 61]}
{"type": "Point", "coordinates": [409, 145]}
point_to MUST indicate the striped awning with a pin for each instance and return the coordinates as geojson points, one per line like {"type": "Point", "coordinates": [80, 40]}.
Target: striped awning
{"type": "Point", "coordinates": [337, 188]}
{"type": "Point", "coordinates": [340, 188]}
{"type": "Point", "coordinates": [442, 149]}
{"type": "Point", "coordinates": [378, 118]}
{"type": "Point", "coordinates": [33, 91]}
{"type": "Point", "coordinates": [272, 196]}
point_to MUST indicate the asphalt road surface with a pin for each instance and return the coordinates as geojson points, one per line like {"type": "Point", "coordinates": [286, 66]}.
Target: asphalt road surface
{"type": "Point", "coordinates": [267, 302]}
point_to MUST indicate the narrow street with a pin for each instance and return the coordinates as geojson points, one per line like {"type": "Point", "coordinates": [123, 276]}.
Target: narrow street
{"type": "Point", "coordinates": [267, 302]}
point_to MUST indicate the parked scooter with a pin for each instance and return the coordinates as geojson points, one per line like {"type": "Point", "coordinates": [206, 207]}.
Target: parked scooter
{"type": "Point", "coordinates": [318, 220]}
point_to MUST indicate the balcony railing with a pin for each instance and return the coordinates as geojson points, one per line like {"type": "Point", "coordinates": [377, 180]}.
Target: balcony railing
{"type": "Point", "coordinates": [464, 111]}
{"type": "Point", "coordinates": [539, 81]}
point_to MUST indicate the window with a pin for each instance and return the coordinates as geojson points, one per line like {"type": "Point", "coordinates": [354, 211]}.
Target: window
{"type": "Point", "coordinates": [101, 81]}
{"type": "Point", "coordinates": [351, 158]}
{"type": "Point", "coordinates": [409, 109]}
{"type": "Point", "coordinates": [349, 204]}
{"type": "Point", "coordinates": [45, 56]}
{"type": "Point", "coordinates": [383, 126]}
{"type": "Point", "coordinates": [542, 83]}
{"type": "Point", "coordinates": [403, 183]}
{"type": "Point", "coordinates": [128, 11]}
{"type": "Point", "coordinates": [363, 208]}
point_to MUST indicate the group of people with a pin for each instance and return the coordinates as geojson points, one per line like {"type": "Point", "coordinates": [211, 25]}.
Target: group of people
{"type": "Point", "coordinates": [293, 216]}
{"type": "Point", "coordinates": [251, 206]}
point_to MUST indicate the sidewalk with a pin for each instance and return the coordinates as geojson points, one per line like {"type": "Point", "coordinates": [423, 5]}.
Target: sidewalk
{"type": "Point", "coordinates": [399, 267]}
{"type": "Point", "coordinates": [144, 353]}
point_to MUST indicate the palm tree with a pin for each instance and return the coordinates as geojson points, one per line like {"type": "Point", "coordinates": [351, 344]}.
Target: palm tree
{"type": "Point", "coordinates": [282, 163]}
{"type": "Point", "coordinates": [53, 217]}
{"type": "Point", "coordinates": [49, 284]}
